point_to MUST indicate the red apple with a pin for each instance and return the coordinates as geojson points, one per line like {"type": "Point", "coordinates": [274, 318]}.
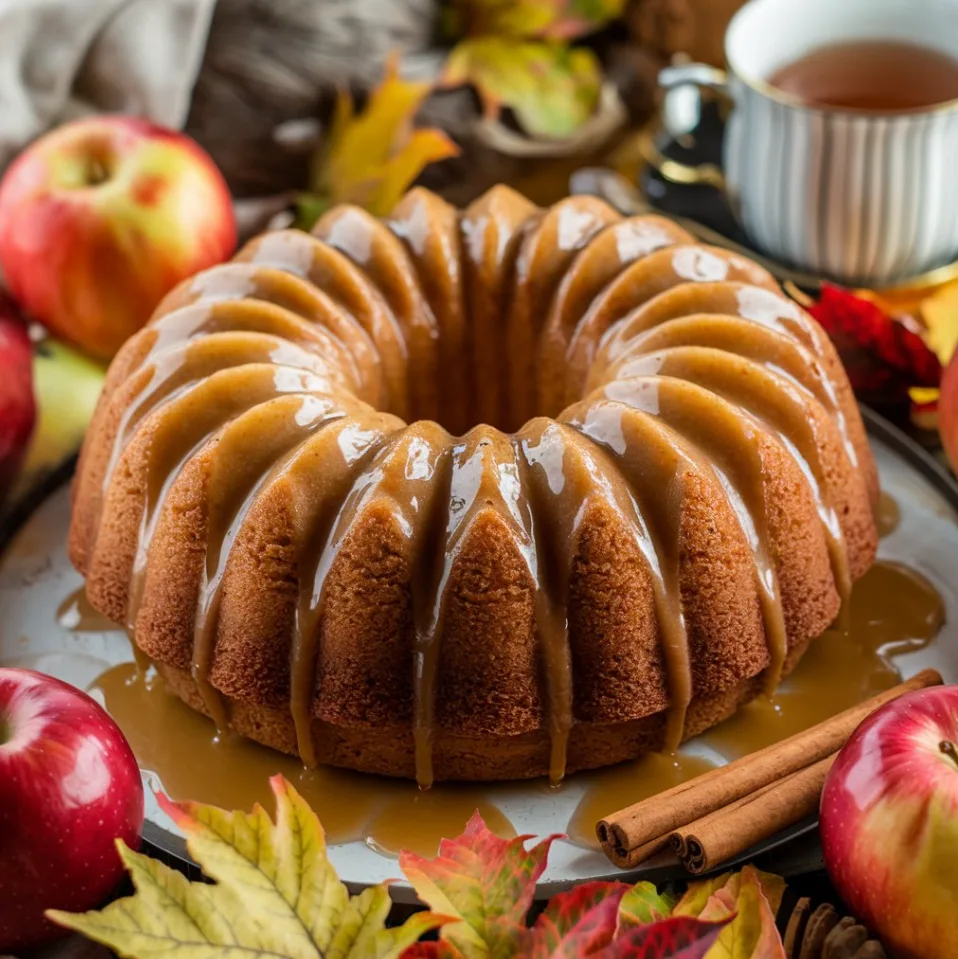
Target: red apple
{"type": "Point", "coordinates": [948, 411]}
{"type": "Point", "coordinates": [100, 218]}
{"type": "Point", "coordinates": [18, 408]}
{"type": "Point", "coordinates": [69, 787]}
{"type": "Point", "coordinates": [889, 824]}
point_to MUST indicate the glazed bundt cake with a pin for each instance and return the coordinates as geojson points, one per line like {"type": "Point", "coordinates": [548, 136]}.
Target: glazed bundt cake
{"type": "Point", "coordinates": [667, 496]}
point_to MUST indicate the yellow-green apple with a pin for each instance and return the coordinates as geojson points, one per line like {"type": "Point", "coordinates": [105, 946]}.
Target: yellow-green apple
{"type": "Point", "coordinates": [17, 403]}
{"type": "Point", "coordinates": [889, 824]}
{"type": "Point", "coordinates": [69, 788]}
{"type": "Point", "coordinates": [948, 411]}
{"type": "Point", "coordinates": [67, 385]}
{"type": "Point", "coordinates": [101, 217]}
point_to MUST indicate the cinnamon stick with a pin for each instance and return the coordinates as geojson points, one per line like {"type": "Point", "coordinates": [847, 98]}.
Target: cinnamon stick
{"type": "Point", "coordinates": [727, 832]}
{"type": "Point", "coordinates": [644, 829]}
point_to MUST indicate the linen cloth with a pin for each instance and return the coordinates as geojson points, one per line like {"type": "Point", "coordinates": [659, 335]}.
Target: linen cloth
{"type": "Point", "coordinates": [62, 59]}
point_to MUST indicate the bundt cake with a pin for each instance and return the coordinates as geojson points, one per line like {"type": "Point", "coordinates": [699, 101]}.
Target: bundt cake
{"type": "Point", "coordinates": [667, 496]}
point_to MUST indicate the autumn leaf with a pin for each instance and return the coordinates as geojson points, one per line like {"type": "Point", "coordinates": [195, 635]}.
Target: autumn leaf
{"type": "Point", "coordinates": [552, 88]}
{"type": "Point", "coordinates": [484, 882]}
{"type": "Point", "coordinates": [644, 904]}
{"type": "Point", "coordinates": [432, 950]}
{"type": "Point", "coordinates": [753, 898]}
{"type": "Point", "coordinates": [370, 158]}
{"type": "Point", "coordinates": [556, 19]}
{"type": "Point", "coordinates": [583, 923]}
{"type": "Point", "coordinates": [488, 884]}
{"type": "Point", "coordinates": [517, 54]}
{"type": "Point", "coordinates": [580, 922]}
{"type": "Point", "coordinates": [275, 894]}
{"type": "Point", "coordinates": [884, 355]}
{"type": "Point", "coordinates": [940, 314]}
{"type": "Point", "coordinates": [680, 937]}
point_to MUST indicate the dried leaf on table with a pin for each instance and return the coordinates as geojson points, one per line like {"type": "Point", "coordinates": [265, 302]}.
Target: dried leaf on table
{"type": "Point", "coordinates": [275, 894]}
{"type": "Point", "coordinates": [885, 356]}
{"type": "Point", "coordinates": [517, 55]}
{"type": "Point", "coordinates": [370, 158]}
{"type": "Point", "coordinates": [753, 898]}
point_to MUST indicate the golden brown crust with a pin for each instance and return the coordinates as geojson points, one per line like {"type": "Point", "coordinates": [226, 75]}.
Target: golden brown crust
{"type": "Point", "coordinates": [388, 750]}
{"type": "Point", "coordinates": [458, 607]}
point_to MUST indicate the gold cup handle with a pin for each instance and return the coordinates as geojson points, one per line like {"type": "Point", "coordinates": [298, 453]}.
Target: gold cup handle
{"type": "Point", "coordinates": [687, 174]}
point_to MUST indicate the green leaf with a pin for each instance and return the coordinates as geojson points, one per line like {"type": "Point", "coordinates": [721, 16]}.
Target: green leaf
{"type": "Point", "coordinates": [309, 208]}
{"type": "Point", "coordinates": [276, 894]}
{"type": "Point", "coordinates": [644, 904]}
{"type": "Point", "coordinates": [552, 88]}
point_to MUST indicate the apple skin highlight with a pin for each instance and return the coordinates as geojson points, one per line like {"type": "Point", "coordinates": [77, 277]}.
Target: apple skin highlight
{"type": "Point", "coordinates": [102, 217]}
{"type": "Point", "coordinates": [889, 824]}
{"type": "Point", "coordinates": [69, 789]}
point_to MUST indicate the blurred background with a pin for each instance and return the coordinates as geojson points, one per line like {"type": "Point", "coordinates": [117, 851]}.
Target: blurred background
{"type": "Point", "coordinates": [301, 104]}
{"type": "Point", "coordinates": [255, 81]}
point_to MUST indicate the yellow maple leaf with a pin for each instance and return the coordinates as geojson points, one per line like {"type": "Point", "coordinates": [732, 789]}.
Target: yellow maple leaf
{"type": "Point", "coordinates": [370, 158]}
{"type": "Point", "coordinates": [275, 894]}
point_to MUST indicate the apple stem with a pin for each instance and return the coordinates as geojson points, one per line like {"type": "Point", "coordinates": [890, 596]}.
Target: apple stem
{"type": "Point", "coordinates": [98, 172]}
{"type": "Point", "coordinates": [4, 732]}
{"type": "Point", "coordinates": [950, 750]}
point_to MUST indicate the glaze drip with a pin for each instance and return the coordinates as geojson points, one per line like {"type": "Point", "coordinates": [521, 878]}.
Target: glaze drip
{"type": "Point", "coordinates": [260, 419]}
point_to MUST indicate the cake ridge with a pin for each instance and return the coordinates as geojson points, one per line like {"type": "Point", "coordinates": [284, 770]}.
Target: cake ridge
{"type": "Point", "coordinates": [381, 255]}
{"type": "Point", "coordinates": [233, 494]}
{"type": "Point", "coordinates": [474, 561]}
{"type": "Point", "coordinates": [764, 307]}
{"type": "Point", "coordinates": [800, 442]}
{"type": "Point", "coordinates": [726, 442]}
{"type": "Point", "coordinates": [312, 593]}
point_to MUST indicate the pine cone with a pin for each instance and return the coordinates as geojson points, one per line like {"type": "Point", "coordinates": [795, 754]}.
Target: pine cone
{"type": "Point", "coordinates": [825, 934]}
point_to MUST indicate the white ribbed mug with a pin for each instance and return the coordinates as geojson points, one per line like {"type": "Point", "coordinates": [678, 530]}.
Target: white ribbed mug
{"type": "Point", "coordinates": [866, 198]}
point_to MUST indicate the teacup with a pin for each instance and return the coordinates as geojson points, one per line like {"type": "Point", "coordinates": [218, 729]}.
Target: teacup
{"type": "Point", "coordinates": [864, 197]}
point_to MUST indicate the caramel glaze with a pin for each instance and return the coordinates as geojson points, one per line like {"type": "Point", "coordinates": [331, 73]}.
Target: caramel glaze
{"type": "Point", "coordinates": [181, 748]}
{"type": "Point", "coordinates": [690, 400]}
{"type": "Point", "coordinates": [894, 611]}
